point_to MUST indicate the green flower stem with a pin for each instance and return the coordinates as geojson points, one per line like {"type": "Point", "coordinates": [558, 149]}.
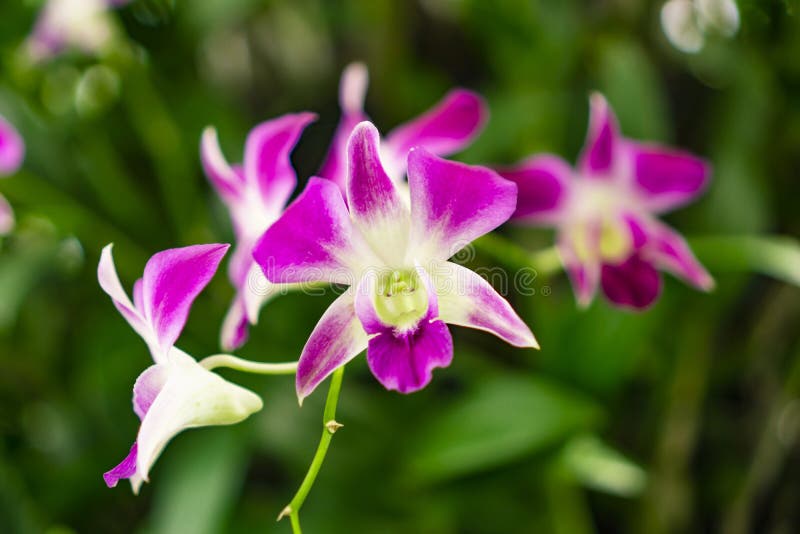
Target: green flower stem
{"type": "Point", "coordinates": [329, 427]}
{"type": "Point", "coordinates": [232, 362]}
{"type": "Point", "coordinates": [546, 262]}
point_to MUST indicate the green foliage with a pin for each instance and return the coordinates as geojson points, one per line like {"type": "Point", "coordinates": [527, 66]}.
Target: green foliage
{"type": "Point", "coordinates": [680, 419]}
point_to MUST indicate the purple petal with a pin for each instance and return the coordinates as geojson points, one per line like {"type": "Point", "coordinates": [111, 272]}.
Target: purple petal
{"type": "Point", "coordinates": [542, 188]}
{"type": "Point", "coordinates": [352, 89]}
{"type": "Point", "coordinates": [266, 158]}
{"type": "Point", "coordinates": [109, 282]}
{"type": "Point", "coordinates": [147, 388]}
{"type": "Point", "coordinates": [235, 328]}
{"type": "Point", "coordinates": [448, 127]}
{"type": "Point", "coordinates": [665, 179]}
{"type": "Point", "coordinates": [635, 283]}
{"type": "Point", "coordinates": [337, 339]}
{"type": "Point", "coordinates": [453, 203]}
{"type": "Point", "coordinates": [584, 275]}
{"type": "Point", "coordinates": [671, 252]}
{"type": "Point", "coordinates": [405, 361]}
{"type": "Point", "coordinates": [12, 148]}
{"type": "Point", "coordinates": [125, 469]}
{"type": "Point", "coordinates": [222, 176]}
{"type": "Point", "coordinates": [6, 216]}
{"type": "Point", "coordinates": [598, 157]}
{"type": "Point", "coordinates": [467, 299]}
{"type": "Point", "coordinates": [172, 280]}
{"type": "Point", "coordinates": [373, 199]}
{"type": "Point", "coordinates": [314, 240]}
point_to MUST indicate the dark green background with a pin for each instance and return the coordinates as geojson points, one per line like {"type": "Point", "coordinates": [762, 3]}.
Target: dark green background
{"type": "Point", "coordinates": [697, 392]}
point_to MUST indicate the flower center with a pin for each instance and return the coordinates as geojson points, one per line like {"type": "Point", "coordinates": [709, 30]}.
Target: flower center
{"type": "Point", "coordinates": [401, 299]}
{"type": "Point", "coordinates": [607, 239]}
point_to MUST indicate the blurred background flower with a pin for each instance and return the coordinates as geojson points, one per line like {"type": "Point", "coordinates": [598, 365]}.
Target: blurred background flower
{"type": "Point", "coordinates": [683, 418]}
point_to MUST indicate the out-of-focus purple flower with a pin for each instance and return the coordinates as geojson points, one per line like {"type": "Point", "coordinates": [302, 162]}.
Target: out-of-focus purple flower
{"type": "Point", "coordinates": [255, 194]}
{"type": "Point", "coordinates": [392, 252]}
{"type": "Point", "coordinates": [12, 152]}
{"type": "Point", "coordinates": [448, 127]}
{"type": "Point", "coordinates": [84, 25]}
{"type": "Point", "coordinates": [605, 211]}
{"type": "Point", "coordinates": [176, 392]}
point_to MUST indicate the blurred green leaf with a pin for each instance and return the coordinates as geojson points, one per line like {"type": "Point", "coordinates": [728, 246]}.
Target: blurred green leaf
{"type": "Point", "coordinates": [600, 467]}
{"type": "Point", "coordinates": [503, 419]}
{"type": "Point", "coordinates": [200, 482]}
{"type": "Point", "coordinates": [774, 256]}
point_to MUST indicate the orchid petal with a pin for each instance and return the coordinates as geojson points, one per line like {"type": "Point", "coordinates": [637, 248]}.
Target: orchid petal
{"type": "Point", "coordinates": [337, 338]}
{"type": "Point", "coordinates": [192, 396]}
{"type": "Point", "coordinates": [235, 327]}
{"type": "Point", "coordinates": [352, 89]}
{"type": "Point", "coordinates": [12, 148]}
{"type": "Point", "coordinates": [109, 282]}
{"type": "Point", "coordinates": [467, 299]}
{"type": "Point", "coordinates": [635, 283]}
{"type": "Point", "coordinates": [680, 24]}
{"type": "Point", "coordinates": [448, 127]}
{"type": "Point", "coordinates": [405, 361]}
{"type": "Point", "coordinates": [222, 176]}
{"type": "Point", "coordinates": [125, 469]}
{"type": "Point", "coordinates": [147, 387]}
{"type": "Point", "coordinates": [665, 179]}
{"type": "Point", "coordinates": [599, 156]}
{"type": "Point", "coordinates": [172, 280]}
{"type": "Point", "coordinates": [6, 216]}
{"type": "Point", "coordinates": [584, 273]}
{"type": "Point", "coordinates": [266, 158]}
{"type": "Point", "coordinates": [314, 240]}
{"type": "Point", "coordinates": [543, 184]}
{"type": "Point", "coordinates": [671, 252]}
{"type": "Point", "coordinates": [374, 202]}
{"type": "Point", "coordinates": [452, 203]}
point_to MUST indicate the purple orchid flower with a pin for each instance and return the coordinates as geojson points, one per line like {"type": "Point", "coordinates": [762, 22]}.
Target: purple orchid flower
{"type": "Point", "coordinates": [255, 193]}
{"type": "Point", "coordinates": [12, 152]}
{"type": "Point", "coordinates": [81, 24]}
{"type": "Point", "coordinates": [392, 251]}
{"type": "Point", "coordinates": [176, 392]}
{"type": "Point", "coordinates": [448, 127]}
{"type": "Point", "coordinates": [606, 211]}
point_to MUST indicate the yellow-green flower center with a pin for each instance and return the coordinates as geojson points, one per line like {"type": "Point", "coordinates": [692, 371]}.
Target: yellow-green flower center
{"type": "Point", "coordinates": [401, 299]}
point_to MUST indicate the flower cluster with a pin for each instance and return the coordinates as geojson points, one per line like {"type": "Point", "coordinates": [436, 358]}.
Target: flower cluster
{"type": "Point", "coordinates": [384, 217]}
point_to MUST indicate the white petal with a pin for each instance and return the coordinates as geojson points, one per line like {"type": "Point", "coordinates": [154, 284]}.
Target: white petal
{"type": "Point", "coordinates": [192, 397]}
{"type": "Point", "coordinates": [722, 15]}
{"type": "Point", "coordinates": [681, 26]}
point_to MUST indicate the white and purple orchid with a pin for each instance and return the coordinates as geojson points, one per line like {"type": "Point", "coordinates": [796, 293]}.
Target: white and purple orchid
{"type": "Point", "coordinates": [392, 251]}
{"type": "Point", "coordinates": [255, 193]}
{"type": "Point", "coordinates": [605, 211]}
{"type": "Point", "coordinates": [12, 152]}
{"type": "Point", "coordinates": [176, 392]}
{"type": "Point", "coordinates": [451, 125]}
{"type": "Point", "coordinates": [85, 25]}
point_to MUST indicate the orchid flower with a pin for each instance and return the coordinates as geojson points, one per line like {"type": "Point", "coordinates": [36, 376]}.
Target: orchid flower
{"type": "Point", "coordinates": [176, 392]}
{"type": "Point", "coordinates": [394, 255]}
{"type": "Point", "coordinates": [605, 212]}
{"type": "Point", "coordinates": [445, 129]}
{"type": "Point", "coordinates": [81, 24]}
{"type": "Point", "coordinates": [255, 193]}
{"type": "Point", "coordinates": [686, 22]}
{"type": "Point", "coordinates": [12, 152]}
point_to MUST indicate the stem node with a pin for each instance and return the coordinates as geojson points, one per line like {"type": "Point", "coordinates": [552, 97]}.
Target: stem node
{"type": "Point", "coordinates": [286, 512]}
{"type": "Point", "coordinates": [332, 426]}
